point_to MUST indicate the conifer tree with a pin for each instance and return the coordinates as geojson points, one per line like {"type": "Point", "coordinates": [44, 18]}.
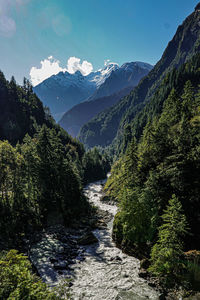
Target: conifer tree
{"type": "Point", "coordinates": [166, 254]}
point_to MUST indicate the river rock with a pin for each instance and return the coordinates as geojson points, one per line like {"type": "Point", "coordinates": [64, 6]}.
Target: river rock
{"type": "Point", "coordinates": [61, 265]}
{"type": "Point", "coordinates": [53, 260]}
{"type": "Point", "coordinates": [87, 239]}
{"type": "Point", "coordinates": [194, 297]}
{"type": "Point", "coordinates": [143, 273]}
{"type": "Point", "coordinates": [116, 258]}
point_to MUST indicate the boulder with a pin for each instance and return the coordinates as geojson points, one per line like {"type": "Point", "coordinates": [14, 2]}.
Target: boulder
{"type": "Point", "coordinates": [87, 239]}
{"type": "Point", "coordinates": [115, 258]}
{"type": "Point", "coordinates": [61, 265]}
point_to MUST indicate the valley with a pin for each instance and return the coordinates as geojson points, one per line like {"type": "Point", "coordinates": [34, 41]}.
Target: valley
{"type": "Point", "coordinates": [66, 232]}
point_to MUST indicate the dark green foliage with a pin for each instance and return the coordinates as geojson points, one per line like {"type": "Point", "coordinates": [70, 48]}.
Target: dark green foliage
{"type": "Point", "coordinates": [21, 111]}
{"type": "Point", "coordinates": [166, 161]}
{"type": "Point", "coordinates": [38, 180]}
{"type": "Point", "coordinates": [41, 182]}
{"type": "Point", "coordinates": [17, 280]}
{"type": "Point", "coordinates": [133, 226]}
{"type": "Point", "coordinates": [167, 253]}
{"type": "Point", "coordinates": [95, 165]}
{"type": "Point", "coordinates": [41, 178]}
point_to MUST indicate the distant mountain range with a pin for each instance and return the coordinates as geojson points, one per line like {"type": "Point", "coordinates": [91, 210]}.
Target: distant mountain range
{"type": "Point", "coordinates": [63, 91]}
{"type": "Point", "coordinates": [118, 84]}
{"type": "Point", "coordinates": [83, 112]}
{"type": "Point", "coordinates": [132, 112]}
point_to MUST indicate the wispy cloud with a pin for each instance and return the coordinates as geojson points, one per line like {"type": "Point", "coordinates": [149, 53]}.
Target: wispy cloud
{"type": "Point", "coordinates": [7, 23]}
{"type": "Point", "coordinates": [51, 66]}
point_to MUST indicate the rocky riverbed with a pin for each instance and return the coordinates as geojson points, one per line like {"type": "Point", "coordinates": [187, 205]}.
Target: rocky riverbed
{"type": "Point", "coordinates": [87, 255]}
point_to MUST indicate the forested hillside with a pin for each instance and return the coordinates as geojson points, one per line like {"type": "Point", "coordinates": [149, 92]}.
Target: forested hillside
{"type": "Point", "coordinates": [55, 212]}
{"type": "Point", "coordinates": [110, 124]}
{"type": "Point", "coordinates": [156, 181]}
{"type": "Point", "coordinates": [21, 111]}
{"type": "Point", "coordinates": [42, 173]}
{"type": "Point", "coordinates": [42, 167]}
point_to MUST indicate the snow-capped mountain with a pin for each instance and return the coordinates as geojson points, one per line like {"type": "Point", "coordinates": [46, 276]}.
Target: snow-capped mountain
{"type": "Point", "coordinates": [117, 83]}
{"type": "Point", "coordinates": [99, 77]}
{"type": "Point", "coordinates": [62, 91]}
{"type": "Point", "coordinates": [128, 75]}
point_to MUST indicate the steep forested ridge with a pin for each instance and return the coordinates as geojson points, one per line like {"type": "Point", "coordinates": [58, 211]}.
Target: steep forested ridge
{"type": "Point", "coordinates": [21, 111]}
{"type": "Point", "coordinates": [42, 167]}
{"type": "Point", "coordinates": [156, 181]}
{"type": "Point", "coordinates": [107, 125]}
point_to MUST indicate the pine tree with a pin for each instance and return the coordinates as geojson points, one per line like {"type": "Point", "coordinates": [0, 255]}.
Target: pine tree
{"type": "Point", "coordinates": [130, 164]}
{"type": "Point", "coordinates": [167, 252]}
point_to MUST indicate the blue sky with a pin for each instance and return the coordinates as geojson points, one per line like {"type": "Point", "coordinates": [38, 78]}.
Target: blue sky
{"type": "Point", "coordinates": [91, 30]}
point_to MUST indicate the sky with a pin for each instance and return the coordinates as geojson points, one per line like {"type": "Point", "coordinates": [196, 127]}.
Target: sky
{"type": "Point", "coordinates": [39, 38]}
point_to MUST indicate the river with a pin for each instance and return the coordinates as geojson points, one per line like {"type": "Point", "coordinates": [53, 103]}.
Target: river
{"type": "Point", "coordinates": [99, 271]}
{"type": "Point", "coordinates": [107, 273]}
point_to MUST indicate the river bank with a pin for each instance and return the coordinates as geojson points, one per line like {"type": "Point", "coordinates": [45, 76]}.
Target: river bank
{"type": "Point", "coordinates": [88, 256]}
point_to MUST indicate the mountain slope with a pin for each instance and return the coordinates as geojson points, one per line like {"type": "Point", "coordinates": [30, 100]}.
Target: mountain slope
{"type": "Point", "coordinates": [104, 127]}
{"type": "Point", "coordinates": [119, 84]}
{"type": "Point", "coordinates": [62, 91]}
{"type": "Point", "coordinates": [22, 112]}
{"type": "Point", "coordinates": [81, 113]}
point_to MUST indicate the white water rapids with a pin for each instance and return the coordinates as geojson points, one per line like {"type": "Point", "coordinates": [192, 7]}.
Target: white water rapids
{"type": "Point", "coordinates": [107, 273]}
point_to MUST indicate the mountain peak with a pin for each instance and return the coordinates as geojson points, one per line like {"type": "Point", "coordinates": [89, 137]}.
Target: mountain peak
{"type": "Point", "coordinates": [78, 73]}
{"type": "Point", "coordinates": [197, 6]}
{"type": "Point", "coordinates": [131, 65]}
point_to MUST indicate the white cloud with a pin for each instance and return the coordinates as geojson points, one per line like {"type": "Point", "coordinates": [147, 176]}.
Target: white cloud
{"type": "Point", "coordinates": [74, 64]}
{"type": "Point", "coordinates": [51, 66]}
{"type": "Point", "coordinates": [7, 23]}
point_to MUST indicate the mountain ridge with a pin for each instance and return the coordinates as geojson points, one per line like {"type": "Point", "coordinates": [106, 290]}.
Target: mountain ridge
{"type": "Point", "coordinates": [185, 43]}
{"type": "Point", "coordinates": [81, 113]}
{"type": "Point", "coordinates": [121, 80]}
{"type": "Point", "coordinates": [62, 91]}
